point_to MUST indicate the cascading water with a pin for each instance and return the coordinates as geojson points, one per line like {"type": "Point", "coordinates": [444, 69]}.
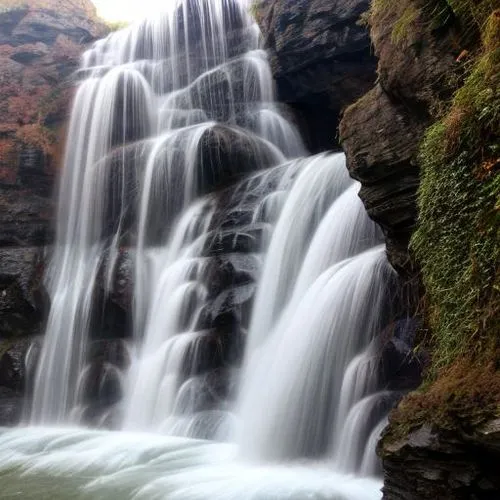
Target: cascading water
{"type": "Point", "coordinates": [179, 158]}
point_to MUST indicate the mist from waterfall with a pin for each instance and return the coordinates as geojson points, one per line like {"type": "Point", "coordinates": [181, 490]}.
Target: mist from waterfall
{"type": "Point", "coordinates": [259, 286]}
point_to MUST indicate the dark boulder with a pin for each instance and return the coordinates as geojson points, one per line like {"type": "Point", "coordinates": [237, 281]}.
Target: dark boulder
{"type": "Point", "coordinates": [13, 369]}
{"type": "Point", "coordinates": [23, 299]}
{"type": "Point", "coordinates": [220, 347]}
{"type": "Point", "coordinates": [239, 240]}
{"type": "Point", "coordinates": [401, 363]}
{"type": "Point", "coordinates": [11, 408]}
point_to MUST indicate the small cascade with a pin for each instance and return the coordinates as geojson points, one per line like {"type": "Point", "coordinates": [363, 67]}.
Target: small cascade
{"type": "Point", "coordinates": [217, 296]}
{"type": "Point", "coordinates": [317, 338]}
{"type": "Point", "coordinates": [319, 184]}
{"type": "Point", "coordinates": [168, 379]}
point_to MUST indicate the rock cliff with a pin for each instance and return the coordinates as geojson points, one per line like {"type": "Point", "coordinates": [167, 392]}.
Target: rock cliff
{"type": "Point", "coordinates": [424, 145]}
{"type": "Point", "coordinates": [381, 132]}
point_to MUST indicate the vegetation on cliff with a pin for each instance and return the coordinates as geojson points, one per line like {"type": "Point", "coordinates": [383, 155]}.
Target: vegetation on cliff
{"type": "Point", "coordinates": [467, 16]}
{"type": "Point", "coordinates": [41, 46]}
{"type": "Point", "coordinates": [457, 239]}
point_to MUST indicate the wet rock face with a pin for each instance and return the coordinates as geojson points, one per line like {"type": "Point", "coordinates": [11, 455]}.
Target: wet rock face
{"type": "Point", "coordinates": [381, 132]}
{"type": "Point", "coordinates": [426, 464]}
{"type": "Point", "coordinates": [23, 298]}
{"type": "Point", "coordinates": [321, 60]}
{"type": "Point", "coordinates": [401, 363]}
{"type": "Point", "coordinates": [13, 378]}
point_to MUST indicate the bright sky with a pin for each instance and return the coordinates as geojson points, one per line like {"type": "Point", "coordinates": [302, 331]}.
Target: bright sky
{"type": "Point", "coordinates": [128, 10]}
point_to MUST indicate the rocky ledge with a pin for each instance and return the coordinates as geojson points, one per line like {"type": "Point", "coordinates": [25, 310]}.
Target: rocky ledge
{"type": "Point", "coordinates": [381, 132]}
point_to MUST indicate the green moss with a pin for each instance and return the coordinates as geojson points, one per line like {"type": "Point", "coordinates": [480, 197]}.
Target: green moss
{"type": "Point", "coordinates": [472, 12]}
{"type": "Point", "coordinates": [5, 345]}
{"type": "Point", "coordinates": [255, 10]}
{"type": "Point", "coordinates": [10, 5]}
{"type": "Point", "coordinates": [457, 241]}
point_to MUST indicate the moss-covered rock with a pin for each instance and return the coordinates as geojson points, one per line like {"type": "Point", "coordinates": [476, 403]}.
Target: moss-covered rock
{"type": "Point", "coordinates": [381, 132]}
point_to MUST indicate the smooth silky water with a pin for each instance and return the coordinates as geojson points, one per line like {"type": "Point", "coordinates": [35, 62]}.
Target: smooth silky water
{"type": "Point", "coordinates": [161, 108]}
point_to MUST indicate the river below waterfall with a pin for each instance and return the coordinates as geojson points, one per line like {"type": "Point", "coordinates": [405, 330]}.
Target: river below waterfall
{"type": "Point", "coordinates": [63, 464]}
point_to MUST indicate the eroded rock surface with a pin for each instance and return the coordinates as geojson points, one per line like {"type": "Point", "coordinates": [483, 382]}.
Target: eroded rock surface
{"type": "Point", "coordinates": [429, 464]}
{"type": "Point", "coordinates": [40, 45]}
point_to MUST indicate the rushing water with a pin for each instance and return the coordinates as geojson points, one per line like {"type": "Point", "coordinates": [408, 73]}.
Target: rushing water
{"type": "Point", "coordinates": [178, 153]}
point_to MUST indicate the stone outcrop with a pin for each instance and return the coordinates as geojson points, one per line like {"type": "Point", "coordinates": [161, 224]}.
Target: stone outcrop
{"type": "Point", "coordinates": [321, 58]}
{"type": "Point", "coordinates": [381, 132]}
{"type": "Point", "coordinates": [430, 464]}
{"type": "Point", "coordinates": [40, 46]}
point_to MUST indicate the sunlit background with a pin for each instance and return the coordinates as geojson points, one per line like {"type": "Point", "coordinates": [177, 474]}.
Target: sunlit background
{"type": "Point", "coordinates": [129, 10]}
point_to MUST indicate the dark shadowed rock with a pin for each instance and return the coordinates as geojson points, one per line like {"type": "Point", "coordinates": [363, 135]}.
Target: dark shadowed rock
{"type": "Point", "coordinates": [11, 408]}
{"type": "Point", "coordinates": [227, 154]}
{"type": "Point", "coordinates": [429, 464]}
{"type": "Point", "coordinates": [321, 60]}
{"type": "Point", "coordinates": [13, 370]}
{"type": "Point", "coordinates": [401, 363]}
{"type": "Point", "coordinates": [23, 298]}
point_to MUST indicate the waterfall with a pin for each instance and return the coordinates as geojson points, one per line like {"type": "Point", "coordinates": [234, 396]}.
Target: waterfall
{"type": "Point", "coordinates": [169, 109]}
{"type": "Point", "coordinates": [258, 287]}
